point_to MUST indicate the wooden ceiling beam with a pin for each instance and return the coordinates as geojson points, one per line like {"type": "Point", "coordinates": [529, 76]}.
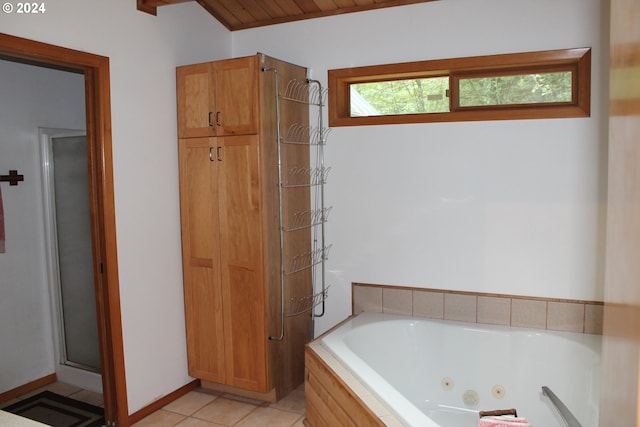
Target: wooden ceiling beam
{"type": "Point", "coordinates": [151, 6]}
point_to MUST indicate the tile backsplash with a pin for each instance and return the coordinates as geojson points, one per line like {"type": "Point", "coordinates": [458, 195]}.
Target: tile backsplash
{"type": "Point", "coordinates": [508, 310]}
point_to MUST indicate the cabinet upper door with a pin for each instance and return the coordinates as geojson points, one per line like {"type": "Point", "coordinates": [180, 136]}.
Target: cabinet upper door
{"type": "Point", "coordinates": [218, 98]}
{"type": "Point", "coordinates": [195, 96]}
{"type": "Point", "coordinates": [236, 101]}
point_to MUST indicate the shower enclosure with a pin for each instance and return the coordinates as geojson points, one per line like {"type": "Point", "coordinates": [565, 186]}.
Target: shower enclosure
{"type": "Point", "coordinates": [69, 248]}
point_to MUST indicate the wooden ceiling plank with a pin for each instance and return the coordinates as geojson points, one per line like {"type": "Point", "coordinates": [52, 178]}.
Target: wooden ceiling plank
{"type": "Point", "coordinates": [307, 6]}
{"type": "Point", "coordinates": [370, 5]}
{"type": "Point", "coordinates": [364, 3]}
{"type": "Point", "coordinates": [392, 3]}
{"type": "Point", "coordinates": [215, 8]}
{"type": "Point", "coordinates": [163, 2]}
{"type": "Point", "coordinates": [273, 8]}
{"type": "Point", "coordinates": [238, 11]}
{"type": "Point", "coordinates": [289, 6]}
{"type": "Point", "coordinates": [325, 5]}
{"type": "Point", "coordinates": [345, 3]}
{"type": "Point", "coordinates": [255, 9]}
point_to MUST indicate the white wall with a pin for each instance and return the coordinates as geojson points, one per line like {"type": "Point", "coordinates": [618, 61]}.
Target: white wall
{"type": "Point", "coordinates": [144, 51]}
{"type": "Point", "coordinates": [513, 207]}
{"type": "Point", "coordinates": [36, 97]}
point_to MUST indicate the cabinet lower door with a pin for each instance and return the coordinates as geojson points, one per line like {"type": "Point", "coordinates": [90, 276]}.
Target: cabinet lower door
{"type": "Point", "coordinates": [222, 243]}
{"type": "Point", "coordinates": [200, 223]}
{"type": "Point", "coordinates": [241, 242]}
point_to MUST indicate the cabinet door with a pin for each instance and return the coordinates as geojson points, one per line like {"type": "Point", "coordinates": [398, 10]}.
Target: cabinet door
{"type": "Point", "coordinates": [195, 95]}
{"type": "Point", "coordinates": [236, 103]}
{"type": "Point", "coordinates": [199, 191]}
{"type": "Point", "coordinates": [242, 264]}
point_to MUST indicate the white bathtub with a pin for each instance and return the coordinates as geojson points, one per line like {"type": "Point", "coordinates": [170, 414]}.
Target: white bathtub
{"type": "Point", "coordinates": [432, 373]}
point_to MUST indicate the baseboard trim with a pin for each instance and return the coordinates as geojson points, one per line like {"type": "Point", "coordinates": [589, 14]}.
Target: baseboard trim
{"type": "Point", "coordinates": [163, 401]}
{"type": "Point", "coordinates": [26, 388]}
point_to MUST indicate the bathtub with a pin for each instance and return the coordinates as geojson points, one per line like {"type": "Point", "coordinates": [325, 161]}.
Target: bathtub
{"type": "Point", "coordinates": [432, 373]}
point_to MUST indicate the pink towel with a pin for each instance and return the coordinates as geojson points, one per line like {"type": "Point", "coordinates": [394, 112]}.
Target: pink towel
{"type": "Point", "coordinates": [503, 421]}
{"type": "Point", "coordinates": [1, 225]}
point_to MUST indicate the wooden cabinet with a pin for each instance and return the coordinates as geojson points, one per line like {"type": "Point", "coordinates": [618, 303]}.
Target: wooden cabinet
{"type": "Point", "coordinates": [230, 215]}
{"type": "Point", "coordinates": [222, 256]}
{"type": "Point", "coordinates": [204, 105]}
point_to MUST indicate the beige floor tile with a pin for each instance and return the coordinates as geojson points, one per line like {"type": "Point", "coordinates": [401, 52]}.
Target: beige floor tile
{"type": "Point", "coordinates": [269, 417]}
{"type": "Point", "coordinates": [294, 402]}
{"type": "Point", "coordinates": [224, 411]}
{"type": "Point", "coordinates": [62, 389]}
{"type": "Point", "coordinates": [299, 423]}
{"type": "Point", "coordinates": [160, 418]}
{"type": "Point", "coordinates": [194, 422]}
{"type": "Point", "coordinates": [90, 397]}
{"type": "Point", "coordinates": [190, 403]}
{"type": "Point", "coordinates": [244, 399]}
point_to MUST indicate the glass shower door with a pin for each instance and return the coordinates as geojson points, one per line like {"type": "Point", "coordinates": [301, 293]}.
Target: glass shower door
{"type": "Point", "coordinates": [69, 193]}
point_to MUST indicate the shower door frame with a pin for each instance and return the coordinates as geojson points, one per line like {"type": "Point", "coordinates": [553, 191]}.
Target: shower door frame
{"type": "Point", "coordinates": [91, 374]}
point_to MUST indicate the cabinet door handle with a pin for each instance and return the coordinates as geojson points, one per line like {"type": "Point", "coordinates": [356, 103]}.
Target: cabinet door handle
{"type": "Point", "coordinates": [218, 153]}
{"type": "Point", "coordinates": [210, 122]}
{"type": "Point", "coordinates": [211, 159]}
{"type": "Point", "coordinates": [218, 118]}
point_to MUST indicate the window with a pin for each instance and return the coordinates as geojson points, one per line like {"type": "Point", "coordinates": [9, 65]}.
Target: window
{"type": "Point", "coordinates": [407, 96]}
{"type": "Point", "coordinates": [545, 84]}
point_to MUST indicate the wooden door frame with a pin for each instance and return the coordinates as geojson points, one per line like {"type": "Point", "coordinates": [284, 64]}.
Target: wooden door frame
{"type": "Point", "coordinates": [98, 120]}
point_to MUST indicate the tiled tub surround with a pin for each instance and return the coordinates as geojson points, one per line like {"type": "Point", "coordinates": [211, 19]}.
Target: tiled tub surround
{"type": "Point", "coordinates": [390, 366]}
{"type": "Point", "coordinates": [494, 309]}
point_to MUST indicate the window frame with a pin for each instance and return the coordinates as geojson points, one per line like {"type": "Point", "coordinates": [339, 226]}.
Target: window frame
{"type": "Point", "coordinates": [577, 60]}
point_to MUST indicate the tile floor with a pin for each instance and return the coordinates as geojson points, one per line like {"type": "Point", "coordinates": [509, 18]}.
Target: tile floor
{"type": "Point", "coordinates": [203, 409]}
